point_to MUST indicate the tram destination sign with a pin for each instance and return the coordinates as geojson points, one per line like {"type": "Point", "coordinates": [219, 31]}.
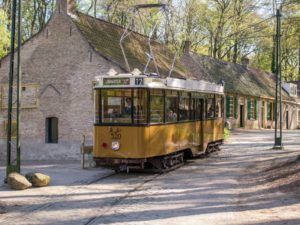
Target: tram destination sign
{"type": "Point", "coordinates": [116, 81]}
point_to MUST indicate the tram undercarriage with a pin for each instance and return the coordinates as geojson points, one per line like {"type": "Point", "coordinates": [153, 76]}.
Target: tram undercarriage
{"type": "Point", "coordinates": [158, 164]}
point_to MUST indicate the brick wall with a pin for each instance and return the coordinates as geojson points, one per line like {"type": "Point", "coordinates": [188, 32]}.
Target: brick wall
{"type": "Point", "coordinates": [62, 64]}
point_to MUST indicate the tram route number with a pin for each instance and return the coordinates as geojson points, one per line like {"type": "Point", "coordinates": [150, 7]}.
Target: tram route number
{"type": "Point", "coordinates": [115, 134]}
{"type": "Point", "coordinates": [139, 81]}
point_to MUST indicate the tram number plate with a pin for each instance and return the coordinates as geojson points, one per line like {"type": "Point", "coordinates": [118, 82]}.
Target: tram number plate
{"type": "Point", "coordinates": [139, 81]}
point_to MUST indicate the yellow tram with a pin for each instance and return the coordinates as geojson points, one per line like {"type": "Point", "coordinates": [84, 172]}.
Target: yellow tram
{"type": "Point", "coordinates": [151, 122]}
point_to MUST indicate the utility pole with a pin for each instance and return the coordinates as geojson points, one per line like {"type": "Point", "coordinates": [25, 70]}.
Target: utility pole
{"type": "Point", "coordinates": [14, 92]}
{"type": "Point", "coordinates": [278, 98]}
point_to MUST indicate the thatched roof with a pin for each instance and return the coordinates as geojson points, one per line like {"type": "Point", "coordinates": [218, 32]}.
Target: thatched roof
{"type": "Point", "coordinates": [238, 79]}
{"type": "Point", "coordinates": [104, 37]}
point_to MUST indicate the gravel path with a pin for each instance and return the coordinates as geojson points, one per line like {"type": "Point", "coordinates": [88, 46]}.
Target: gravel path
{"type": "Point", "coordinates": [229, 187]}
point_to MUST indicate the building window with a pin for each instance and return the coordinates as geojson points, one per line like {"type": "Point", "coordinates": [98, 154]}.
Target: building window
{"type": "Point", "coordinates": [252, 109]}
{"type": "Point", "coordinates": [270, 111]}
{"type": "Point", "coordinates": [230, 106]}
{"type": "Point", "coordinates": [51, 130]}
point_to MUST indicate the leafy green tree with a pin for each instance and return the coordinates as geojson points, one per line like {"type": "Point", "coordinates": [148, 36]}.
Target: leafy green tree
{"type": "Point", "coordinates": [5, 34]}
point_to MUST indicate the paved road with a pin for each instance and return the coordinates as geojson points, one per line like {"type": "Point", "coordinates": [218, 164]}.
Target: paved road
{"type": "Point", "coordinates": [221, 189]}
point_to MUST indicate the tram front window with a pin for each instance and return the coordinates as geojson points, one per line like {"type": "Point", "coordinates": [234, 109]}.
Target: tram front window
{"type": "Point", "coordinates": [117, 106]}
{"type": "Point", "coordinates": [124, 106]}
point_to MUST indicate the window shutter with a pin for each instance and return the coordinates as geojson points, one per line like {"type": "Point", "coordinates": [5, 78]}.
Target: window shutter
{"type": "Point", "coordinates": [227, 106]}
{"type": "Point", "coordinates": [235, 107]}
{"type": "Point", "coordinates": [256, 109]}
{"type": "Point", "coordinates": [269, 110]}
{"type": "Point", "coordinates": [249, 108]}
{"type": "Point", "coordinates": [273, 111]}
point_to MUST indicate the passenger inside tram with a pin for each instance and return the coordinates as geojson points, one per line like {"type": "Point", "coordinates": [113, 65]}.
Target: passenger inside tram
{"type": "Point", "coordinates": [172, 116]}
{"type": "Point", "coordinates": [129, 107]}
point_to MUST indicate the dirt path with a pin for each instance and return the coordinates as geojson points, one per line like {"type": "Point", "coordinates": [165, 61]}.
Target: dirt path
{"type": "Point", "coordinates": [245, 183]}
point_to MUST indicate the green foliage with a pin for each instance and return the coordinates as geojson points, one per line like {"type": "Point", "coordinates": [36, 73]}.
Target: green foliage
{"type": "Point", "coordinates": [227, 134]}
{"type": "Point", "coordinates": [5, 35]}
{"type": "Point", "coordinates": [224, 29]}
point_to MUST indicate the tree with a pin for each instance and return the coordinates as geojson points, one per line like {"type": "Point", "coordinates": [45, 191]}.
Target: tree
{"type": "Point", "coordinates": [5, 34]}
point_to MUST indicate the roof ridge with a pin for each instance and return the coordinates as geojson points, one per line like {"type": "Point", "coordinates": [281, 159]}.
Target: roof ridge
{"type": "Point", "coordinates": [232, 63]}
{"type": "Point", "coordinates": [119, 26]}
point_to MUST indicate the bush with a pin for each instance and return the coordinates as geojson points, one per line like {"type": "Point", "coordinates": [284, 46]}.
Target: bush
{"type": "Point", "coordinates": [226, 133]}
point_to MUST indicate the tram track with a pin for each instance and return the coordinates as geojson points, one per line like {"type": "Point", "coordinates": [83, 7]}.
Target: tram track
{"type": "Point", "coordinates": [72, 189]}
{"type": "Point", "coordinates": [45, 197]}
{"type": "Point", "coordinates": [120, 199]}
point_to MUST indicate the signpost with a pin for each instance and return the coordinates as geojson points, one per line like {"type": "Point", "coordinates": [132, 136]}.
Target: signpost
{"type": "Point", "coordinates": [278, 98]}
{"type": "Point", "coordinates": [14, 91]}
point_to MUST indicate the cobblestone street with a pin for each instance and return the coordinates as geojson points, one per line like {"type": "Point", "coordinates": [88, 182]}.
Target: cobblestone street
{"type": "Point", "coordinates": [232, 186]}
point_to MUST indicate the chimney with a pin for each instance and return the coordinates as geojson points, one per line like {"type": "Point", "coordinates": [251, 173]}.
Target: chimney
{"type": "Point", "coordinates": [66, 6]}
{"type": "Point", "coordinates": [245, 61]}
{"type": "Point", "coordinates": [187, 47]}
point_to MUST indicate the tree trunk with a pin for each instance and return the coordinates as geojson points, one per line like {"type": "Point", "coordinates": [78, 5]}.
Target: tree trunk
{"type": "Point", "coordinates": [299, 60]}
{"type": "Point", "coordinates": [273, 65]}
{"type": "Point", "coordinates": [235, 51]}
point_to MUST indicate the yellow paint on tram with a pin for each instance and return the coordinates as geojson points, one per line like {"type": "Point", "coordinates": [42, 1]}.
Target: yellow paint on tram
{"type": "Point", "coordinates": [139, 142]}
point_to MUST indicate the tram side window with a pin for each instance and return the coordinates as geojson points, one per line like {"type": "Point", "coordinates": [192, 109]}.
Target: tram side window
{"type": "Point", "coordinates": [156, 106]}
{"type": "Point", "coordinates": [117, 106]}
{"type": "Point", "coordinates": [219, 107]}
{"type": "Point", "coordinates": [171, 106]}
{"type": "Point", "coordinates": [193, 109]}
{"type": "Point", "coordinates": [199, 108]}
{"type": "Point", "coordinates": [140, 106]}
{"type": "Point", "coordinates": [210, 107]}
{"type": "Point", "coordinates": [184, 106]}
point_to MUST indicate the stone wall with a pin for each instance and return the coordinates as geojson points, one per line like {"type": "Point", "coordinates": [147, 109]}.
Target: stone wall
{"type": "Point", "coordinates": [61, 63]}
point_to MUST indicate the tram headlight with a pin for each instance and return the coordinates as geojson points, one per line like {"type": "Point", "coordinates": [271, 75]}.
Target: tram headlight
{"type": "Point", "coordinates": [115, 145]}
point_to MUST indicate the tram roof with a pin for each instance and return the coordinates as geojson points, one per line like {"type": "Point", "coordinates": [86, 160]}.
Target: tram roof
{"type": "Point", "coordinates": [144, 81]}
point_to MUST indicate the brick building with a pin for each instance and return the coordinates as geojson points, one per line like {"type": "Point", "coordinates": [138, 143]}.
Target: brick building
{"type": "Point", "coordinates": [249, 92]}
{"type": "Point", "coordinates": [59, 65]}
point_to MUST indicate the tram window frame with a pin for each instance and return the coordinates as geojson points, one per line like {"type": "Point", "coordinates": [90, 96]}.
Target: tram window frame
{"type": "Point", "coordinates": [192, 108]}
{"type": "Point", "coordinates": [118, 109]}
{"type": "Point", "coordinates": [199, 114]}
{"type": "Point", "coordinates": [182, 97]}
{"type": "Point", "coordinates": [219, 99]}
{"type": "Point", "coordinates": [210, 107]}
{"type": "Point", "coordinates": [157, 93]}
{"type": "Point", "coordinates": [97, 106]}
{"type": "Point", "coordinates": [138, 113]}
{"type": "Point", "coordinates": [171, 94]}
